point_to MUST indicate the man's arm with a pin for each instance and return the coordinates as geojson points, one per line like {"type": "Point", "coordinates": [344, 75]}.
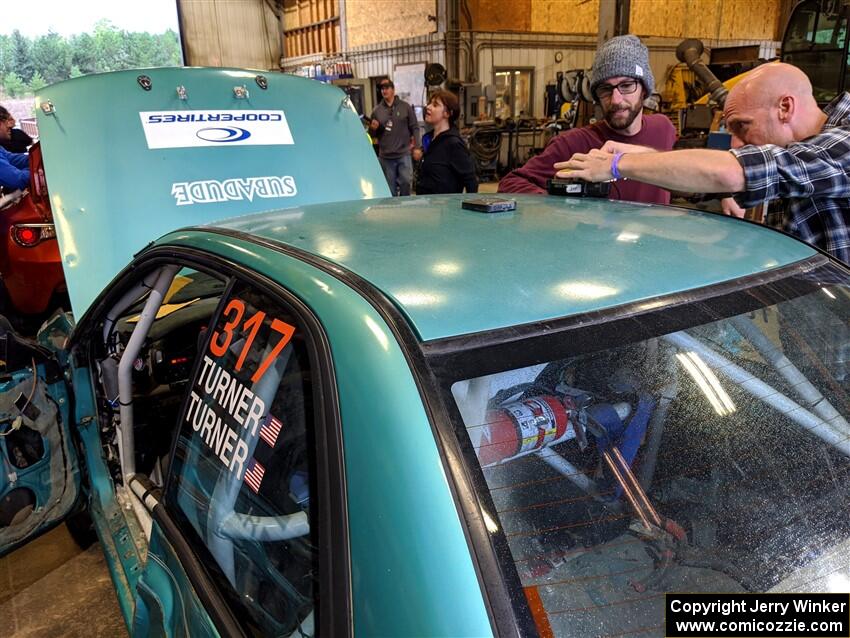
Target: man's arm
{"type": "Point", "coordinates": [12, 177]}
{"type": "Point", "coordinates": [19, 160]}
{"type": "Point", "coordinates": [693, 170]}
{"type": "Point", "coordinates": [413, 125]}
{"type": "Point", "coordinates": [531, 177]}
{"type": "Point", "coordinates": [820, 166]}
{"type": "Point", "coordinates": [374, 124]}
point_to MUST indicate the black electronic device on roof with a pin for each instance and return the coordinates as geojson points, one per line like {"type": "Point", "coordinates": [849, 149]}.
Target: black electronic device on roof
{"type": "Point", "coordinates": [577, 188]}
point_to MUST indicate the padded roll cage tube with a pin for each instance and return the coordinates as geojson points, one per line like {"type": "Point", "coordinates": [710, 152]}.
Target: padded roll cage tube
{"type": "Point", "coordinates": [829, 432]}
{"type": "Point", "coordinates": [264, 528]}
{"type": "Point", "coordinates": [795, 378]}
{"type": "Point", "coordinates": [128, 299]}
{"type": "Point", "coordinates": [147, 492]}
{"type": "Point", "coordinates": [126, 439]}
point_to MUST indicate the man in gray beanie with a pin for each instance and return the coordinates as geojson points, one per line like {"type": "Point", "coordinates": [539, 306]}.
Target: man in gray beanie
{"type": "Point", "coordinates": [620, 81]}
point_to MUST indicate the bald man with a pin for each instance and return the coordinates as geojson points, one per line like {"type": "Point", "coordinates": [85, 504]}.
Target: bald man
{"type": "Point", "coordinates": [783, 146]}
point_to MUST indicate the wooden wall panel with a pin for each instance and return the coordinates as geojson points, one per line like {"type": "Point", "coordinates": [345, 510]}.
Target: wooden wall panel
{"type": "Point", "coordinates": [374, 21]}
{"type": "Point", "coordinates": [717, 19]}
{"type": "Point", "coordinates": [756, 20]}
{"type": "Point", "coordinates": [500, 15]}
{"type": "Point", "coordinates": [714, 19]}
{"type": "Point", "coordinates": [312, 27]}
{"type": "Point", "coordinates": [290, 14]}
{"type": "Point", "coordinates": [565, 16]}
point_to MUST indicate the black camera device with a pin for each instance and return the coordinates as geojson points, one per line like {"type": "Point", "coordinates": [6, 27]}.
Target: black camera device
{"type": "Point", "coordinates": [489, 204]}
{"type": "Point", "coordinates": [577, 188]}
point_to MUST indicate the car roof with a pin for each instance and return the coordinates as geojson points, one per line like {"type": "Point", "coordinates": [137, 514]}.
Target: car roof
{"type": "Point", "coordinates": [453, 271]}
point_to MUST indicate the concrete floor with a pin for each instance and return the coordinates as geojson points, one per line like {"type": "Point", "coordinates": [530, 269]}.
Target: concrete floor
{"type": "Point", "coordinates": [50, 587]}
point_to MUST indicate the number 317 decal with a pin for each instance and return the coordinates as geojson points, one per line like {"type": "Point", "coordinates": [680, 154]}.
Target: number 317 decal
{"type": "Point", "coordinates": [234, 312]}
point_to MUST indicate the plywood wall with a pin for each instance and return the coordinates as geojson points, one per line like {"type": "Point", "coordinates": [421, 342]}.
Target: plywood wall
{"type": "Point", "coordinates": [541, 16]}
{"type": "Point", "coordinates": [565, 16]}
{"type": "Point", "coordinates": [311, 26]}
{"type": "Point", "coordinates": [499, 15]}
{"type": "Point", "coordinates": [374, 21]}
{"type": "Point", "coordinates": [721, 19]}
{"type": "Point", "coordinates": [241, 33]}
{"type": "Point", "coordinates": [300, 13]}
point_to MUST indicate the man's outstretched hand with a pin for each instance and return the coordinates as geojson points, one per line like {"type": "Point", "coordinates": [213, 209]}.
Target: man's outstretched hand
{"type": "Point", "coordinates": [621, 147]}
{"type": "Point", "coordinates": [594, 166]}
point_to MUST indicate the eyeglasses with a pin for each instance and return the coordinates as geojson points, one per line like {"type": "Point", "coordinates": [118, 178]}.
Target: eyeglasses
{"type": "Point", "coordinates": [385, 86]}
{"type": "Point", "coordinates": [625, 87]}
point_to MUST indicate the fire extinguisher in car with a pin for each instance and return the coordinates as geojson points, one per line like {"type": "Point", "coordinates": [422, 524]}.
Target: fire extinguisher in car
{"type": "Point", "coordinates": [521, 427]}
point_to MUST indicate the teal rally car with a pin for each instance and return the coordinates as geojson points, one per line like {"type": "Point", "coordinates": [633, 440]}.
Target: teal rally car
{"type": "Point", "coordinates": [382, 416]}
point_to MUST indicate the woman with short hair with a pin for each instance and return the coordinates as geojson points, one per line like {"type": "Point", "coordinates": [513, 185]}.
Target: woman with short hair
{"type": "Point", "coordinates": [447, 166]}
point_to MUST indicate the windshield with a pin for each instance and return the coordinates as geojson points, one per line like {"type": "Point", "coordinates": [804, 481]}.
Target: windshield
{"type": "Point", "coordinates": [700, 448]}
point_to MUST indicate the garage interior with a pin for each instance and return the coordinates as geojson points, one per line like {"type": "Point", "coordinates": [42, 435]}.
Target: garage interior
{"type": "Point", "coordinates": [521, 71]}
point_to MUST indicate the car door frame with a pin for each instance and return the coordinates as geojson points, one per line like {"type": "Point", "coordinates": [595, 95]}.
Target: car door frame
{"type": "Point", "coordinates": [334, 593]}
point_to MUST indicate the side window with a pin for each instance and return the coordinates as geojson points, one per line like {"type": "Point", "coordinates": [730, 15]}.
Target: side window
{"type": "Point", "coordinates": [243, 472]}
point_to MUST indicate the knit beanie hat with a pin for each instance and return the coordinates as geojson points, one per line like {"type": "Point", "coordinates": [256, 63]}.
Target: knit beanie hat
{"type": "Point", "coordinates": [626, 56]}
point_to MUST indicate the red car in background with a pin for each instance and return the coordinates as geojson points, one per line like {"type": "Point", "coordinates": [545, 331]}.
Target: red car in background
{"type": "Point", "coordinates": [30, 265]}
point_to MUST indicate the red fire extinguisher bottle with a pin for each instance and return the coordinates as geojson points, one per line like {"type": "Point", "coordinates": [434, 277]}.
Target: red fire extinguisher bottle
{"type": "Point", "coordinates": [521, 427]}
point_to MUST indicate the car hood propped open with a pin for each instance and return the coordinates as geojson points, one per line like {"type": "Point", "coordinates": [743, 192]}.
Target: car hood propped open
{"type": "Point", "coordinates": [131, 155]}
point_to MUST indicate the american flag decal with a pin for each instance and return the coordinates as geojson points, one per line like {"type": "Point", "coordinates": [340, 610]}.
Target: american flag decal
{"type": "Point", "coordinates": [270, 430]}
{"type": "Point", "coordinates": [254, 475]}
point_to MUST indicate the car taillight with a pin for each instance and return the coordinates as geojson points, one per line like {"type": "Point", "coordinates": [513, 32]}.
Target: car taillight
{"type": "Point", "coordinates": [29, 235]}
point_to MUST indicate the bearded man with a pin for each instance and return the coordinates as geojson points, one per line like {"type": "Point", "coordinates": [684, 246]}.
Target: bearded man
{"type": "Point", "coordinates": [621, 80]}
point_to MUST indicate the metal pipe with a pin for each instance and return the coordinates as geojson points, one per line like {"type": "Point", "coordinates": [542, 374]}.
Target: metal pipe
{"type": "Point", "coordinates": [760, 390]}
{"type": "Point", "coordinates": [656, 430]}
{"type": "Point", "coordinates": [689, 52]}
{"type": "Point", "coordinates": [798, 381]}
{"type": "Point", "coordinates": [570, 471]}
{"type": "Point", "coordinates": [126, 441]}
{"type": "Point", "coordinates": [127, 300]}
{"type": "Point", "coordinates": [143, 488]}
{"type": "Point", "coordinates": [264, 528]}
{"type": "Point", "coordinates": [638, 490]}
{"type": "Point", "coordinates": [626, 490]}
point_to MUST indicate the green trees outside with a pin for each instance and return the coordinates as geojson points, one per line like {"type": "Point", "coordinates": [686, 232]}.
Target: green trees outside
{"type": "Point", "coordinates": [28, 64]}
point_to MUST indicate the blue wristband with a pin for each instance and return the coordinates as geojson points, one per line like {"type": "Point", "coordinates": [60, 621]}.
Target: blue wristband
{"type": "Point", "coordinates": [615, 169]}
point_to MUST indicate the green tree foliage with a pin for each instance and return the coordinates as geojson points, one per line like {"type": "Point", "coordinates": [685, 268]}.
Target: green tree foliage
{"type": "Point", "coordinates": [83, 53]}
{"type": "Point", "coordinates": [21, 62]}
{"type": "Point", "coordinates": [51, 57]}
{"type": "Point", "coordinates": [13, 85]}
{"type": "Point", "coordinates": [30, 63]}
{"type": "Point", "coordinates": [5, 54]}
{"type": "Point", "coordinates": [109, 46]}
{"type": "Point", "coordinates": [37, 82]}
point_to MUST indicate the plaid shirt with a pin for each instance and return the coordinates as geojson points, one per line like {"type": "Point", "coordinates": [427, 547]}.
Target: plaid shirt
{"type": "Point", "coordinates": [813, 179]}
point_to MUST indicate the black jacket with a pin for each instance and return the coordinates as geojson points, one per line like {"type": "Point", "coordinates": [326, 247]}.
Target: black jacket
{"type": "Point", "coordinates": [447, 166]}
{"type": "Point", "coordinates": [19, 142]}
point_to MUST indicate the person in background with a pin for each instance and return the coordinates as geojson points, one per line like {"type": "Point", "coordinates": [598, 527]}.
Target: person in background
{"type": "Point", "coordinates": [19, 141]}
{"type": "Point", "coordinates": [394, 123]}
{"type": "Point", "coordinates": [14, 167]}
{"type": "Point", "coordinates": [447, 166]}
{"type": "Point", "coordinates": [783, 147]}
{"type": "Point", "coordinates": [621, 80]}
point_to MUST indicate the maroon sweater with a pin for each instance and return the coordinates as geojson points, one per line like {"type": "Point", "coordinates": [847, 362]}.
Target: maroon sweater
{"type": "Point", "coordinates": [657, 132]}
